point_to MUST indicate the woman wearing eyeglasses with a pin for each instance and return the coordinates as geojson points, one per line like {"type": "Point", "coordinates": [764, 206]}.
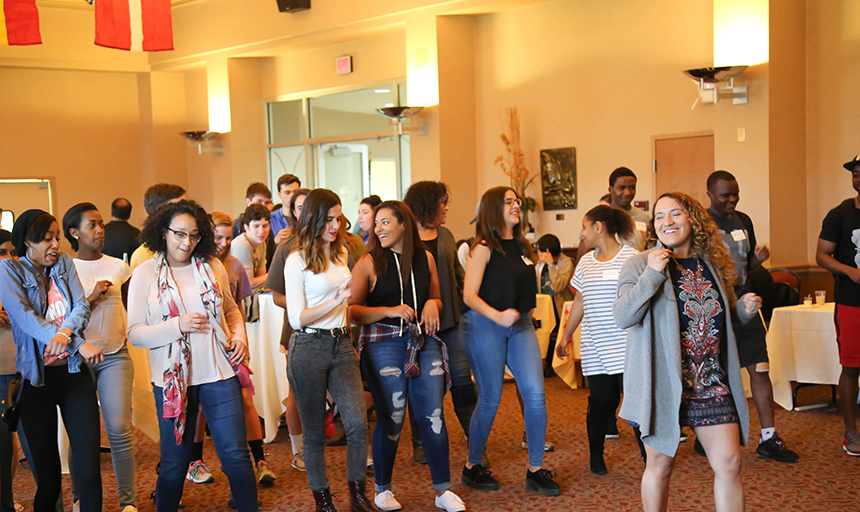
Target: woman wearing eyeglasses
{"type": "Point", "coordinates": [500, 288]}
{"type": "Point", "coordinates": [321, 356]}
{"type": "Point", "coordinates": [179, 308]}
{"type": "Point", "coordinates": [48, 310]}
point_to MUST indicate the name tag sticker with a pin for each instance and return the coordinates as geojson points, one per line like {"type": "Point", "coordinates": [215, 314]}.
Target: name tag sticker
{"type": "Point", "coordinates": [527, 261]}
{"type": "Point", "coordinates": [610, 275]}
{"type": "Point", "coordinates": [641, 226]}
{"type": "Point", "coordinates": [738, 235]}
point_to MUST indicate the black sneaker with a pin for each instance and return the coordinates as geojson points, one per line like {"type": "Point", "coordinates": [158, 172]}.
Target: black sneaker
{"type": "Point", "coordinates": [598, 465]}
{"type": "Point", "coordinates": [479, 478]}
{"type": "Point", "coordinates": [542, 482]}
{"type": "Point", "coordinates": [698, 448]}
{"type": "Point", "coordinates": [774, 448]}
{"type": "Point", "coordinates": [684, 437]}
{"type": "Point", "coordinates": [231, 503]}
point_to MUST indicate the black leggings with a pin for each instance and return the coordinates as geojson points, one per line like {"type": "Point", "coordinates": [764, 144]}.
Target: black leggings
{"type": "Point", "coordinates": [604, 397]}
{"type": "Point", "coordinates": [75, 394]}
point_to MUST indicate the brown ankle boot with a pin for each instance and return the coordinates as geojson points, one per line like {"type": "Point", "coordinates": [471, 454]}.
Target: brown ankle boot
{"type": "Point", "coordinates": [359, 501]}
{"type": "Point", "coordinates": [323, 501]}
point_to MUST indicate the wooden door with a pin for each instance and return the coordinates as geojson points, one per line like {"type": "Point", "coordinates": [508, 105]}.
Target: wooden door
{"type": "Point", "coordinates": [684, 164]}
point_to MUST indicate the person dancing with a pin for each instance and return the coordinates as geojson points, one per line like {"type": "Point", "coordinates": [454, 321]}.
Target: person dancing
{"type": "Point", "coordinates": [500, 287]}
{"type": "Point", "coordinates": [676, 301]}
{"type": "Point", "coordinates": [603, 344]}
{"type": "Point", "coordinates": [320, 355]}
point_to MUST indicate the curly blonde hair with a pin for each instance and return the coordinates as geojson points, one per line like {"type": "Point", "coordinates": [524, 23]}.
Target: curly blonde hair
{"type": "Point", "coordinates": [707, 243]}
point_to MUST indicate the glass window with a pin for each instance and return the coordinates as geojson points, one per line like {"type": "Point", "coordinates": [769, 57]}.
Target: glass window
{"type": "Point", "coordinates": [287, 160]}
{"type": "Point", "coordinates": [350, 112]}
{"type": "Point", "coordinates": [286, 122]}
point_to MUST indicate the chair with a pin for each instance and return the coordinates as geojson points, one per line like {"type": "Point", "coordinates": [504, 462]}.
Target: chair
{"type": "Point", "coordinates": [786, 276]}
{"type": "Point", "coordinates": [783, 275]}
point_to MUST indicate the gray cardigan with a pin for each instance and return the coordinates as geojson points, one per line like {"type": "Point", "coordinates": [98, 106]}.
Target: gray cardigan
{"type": "Point", "coordinates": [450, 276]}
{"type": "Point", "coordinates": [646, 306]}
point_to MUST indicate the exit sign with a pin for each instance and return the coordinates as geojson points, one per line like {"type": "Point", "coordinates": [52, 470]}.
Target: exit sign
{"type": "Point", "coordinates": [344, 65]}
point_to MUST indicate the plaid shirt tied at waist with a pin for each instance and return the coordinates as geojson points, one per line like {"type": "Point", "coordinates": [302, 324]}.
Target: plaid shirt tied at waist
{"type": "Point", "coordinates": [380, 332]}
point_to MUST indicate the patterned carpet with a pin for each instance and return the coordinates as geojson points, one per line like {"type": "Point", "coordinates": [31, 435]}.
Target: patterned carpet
{"type": "Point", "coordinates": [824, 479]}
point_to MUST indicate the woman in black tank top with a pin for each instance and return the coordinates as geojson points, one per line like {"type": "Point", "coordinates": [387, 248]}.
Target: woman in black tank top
{"type": "Point", "coordinates": [395, 298]}
{"type": "Point", "coordinates": [500, 287]}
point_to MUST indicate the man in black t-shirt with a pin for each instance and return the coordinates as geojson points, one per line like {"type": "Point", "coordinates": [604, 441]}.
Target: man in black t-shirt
{"type": "Point", "coordinates": [120, 236]}
{"type": "Point", "coordinates": [736, 230]}
{"type": "Point", "coordinates": [839, 252]}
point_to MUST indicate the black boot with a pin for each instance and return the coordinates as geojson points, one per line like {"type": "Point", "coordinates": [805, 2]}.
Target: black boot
{"type": "Point", "coordinates": [359, 500]}
{"type": "Point", "coordinates": [595, 423]}
{"type": "Point", "coordinates": [323, 501]}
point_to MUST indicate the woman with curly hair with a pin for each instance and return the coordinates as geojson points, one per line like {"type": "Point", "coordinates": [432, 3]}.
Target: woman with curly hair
{"type": "Point", "coordinates": [500, 287]}
{"type": "Point", "coordinates": [180, 310]}
{"type": "Point", "coordinates": [428, 200]}
{"type": "Point", "coordinates": [320, 355]}
{"type": "Point", "coordinates": [676, 301]}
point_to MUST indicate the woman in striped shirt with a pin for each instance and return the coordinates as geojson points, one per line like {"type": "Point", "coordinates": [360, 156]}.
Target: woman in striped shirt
{"type": "Point", "coordinates": [603, 343]}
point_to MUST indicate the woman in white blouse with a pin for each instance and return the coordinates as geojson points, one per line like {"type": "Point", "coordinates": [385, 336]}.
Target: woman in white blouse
{"type": "Point", "coordinates": [321, 355]}
{"type": "Point", "coordinates": [181, 309]}
{"type": "Point", "coordinates": [105, 281]}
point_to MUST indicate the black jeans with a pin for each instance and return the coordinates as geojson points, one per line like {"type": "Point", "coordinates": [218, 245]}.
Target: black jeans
{"type": "Point", "coordinates": [604, 397]}
{"type": "Point", "coordinates": [75, 394]}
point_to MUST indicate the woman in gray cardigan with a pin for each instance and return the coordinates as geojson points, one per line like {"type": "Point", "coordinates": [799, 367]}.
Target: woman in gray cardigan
{"type": "Point", "coordinates": [681, 366]}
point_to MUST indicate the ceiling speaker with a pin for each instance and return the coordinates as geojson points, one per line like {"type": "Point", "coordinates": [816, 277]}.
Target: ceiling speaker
{"type": "Point", "coordinates": [293, 5]}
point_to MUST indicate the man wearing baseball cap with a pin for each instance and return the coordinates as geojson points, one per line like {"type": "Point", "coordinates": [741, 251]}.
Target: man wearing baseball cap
{"type": "Point", "coordinates": [839, 252]}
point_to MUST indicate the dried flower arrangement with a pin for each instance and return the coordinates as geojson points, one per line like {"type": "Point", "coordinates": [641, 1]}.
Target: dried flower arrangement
{"type": "Point", "coordinates": [513, 162]}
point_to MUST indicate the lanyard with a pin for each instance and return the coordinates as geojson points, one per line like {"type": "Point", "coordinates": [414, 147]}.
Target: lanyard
{"type": "Point", "coordinates": [414, 298]}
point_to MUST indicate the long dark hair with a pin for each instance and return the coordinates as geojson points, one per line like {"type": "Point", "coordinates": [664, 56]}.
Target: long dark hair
{"type": "Point", "coordinates": [292, 221]}
{"type": "Point", "coordinates": [309, 240]}
{"type": "Point", "coordinates": [411, 242]}
{"type": "Point", "coordinates": [615, 220]}
{"type": "Point", "coordinates": [491, 223]}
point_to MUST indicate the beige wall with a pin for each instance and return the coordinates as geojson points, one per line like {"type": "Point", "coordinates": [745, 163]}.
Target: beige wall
{"type": "Point", "coordinates": [595, 77]}
{"type": "Point", "coordinates": [81, 129]}
{"type": "Point", "coordinates": [832, 106]}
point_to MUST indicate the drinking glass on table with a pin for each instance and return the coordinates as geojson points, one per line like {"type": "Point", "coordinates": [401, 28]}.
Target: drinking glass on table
{"type": "Point", "coordinates": [820, 296]}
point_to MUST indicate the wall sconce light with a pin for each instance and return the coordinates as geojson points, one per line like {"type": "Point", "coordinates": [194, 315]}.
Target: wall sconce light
{"type": "Point", "coordinates": [199, 138]}
{"type": "Point", "coordinates": [712, 80]}
{"type": "Point", "coordinates": [399, 115]}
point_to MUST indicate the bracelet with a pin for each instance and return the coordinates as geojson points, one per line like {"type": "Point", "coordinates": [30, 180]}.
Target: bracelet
{"type": "Point", "coordinates": [68, 338]}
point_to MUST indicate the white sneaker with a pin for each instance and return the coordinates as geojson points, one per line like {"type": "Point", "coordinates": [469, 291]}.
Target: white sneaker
{"type": "Point", "coordinates": [129, 508]}
{"type": "Point", "coordinates": [450, 502]}
{"type": "Point", "coordinates": [385, 501]}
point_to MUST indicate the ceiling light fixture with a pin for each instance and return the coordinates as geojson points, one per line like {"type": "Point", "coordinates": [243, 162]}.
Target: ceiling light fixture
{"type": "Point", "coordinates": [712, 80]}
{"type": "Point", "coordinates": [199, 138]}
{"type": "Point", "coordinates": [399, 115]}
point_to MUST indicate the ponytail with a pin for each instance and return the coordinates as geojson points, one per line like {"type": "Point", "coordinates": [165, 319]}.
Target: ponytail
{"type": "Point", "coordinates": [616, 221]}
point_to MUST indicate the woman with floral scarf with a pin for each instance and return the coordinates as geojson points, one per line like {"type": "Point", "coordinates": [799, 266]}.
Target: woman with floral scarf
{"type": "Point", "coordinates": [181, 309]}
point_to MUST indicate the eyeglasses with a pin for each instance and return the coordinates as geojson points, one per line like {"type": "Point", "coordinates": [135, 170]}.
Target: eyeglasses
{"type": "Point", "coordinates": [444, 201]}
{"type": "Point", "coordinates": [182, 236]}
{"type": "Point", "coordinates": [513, 202]}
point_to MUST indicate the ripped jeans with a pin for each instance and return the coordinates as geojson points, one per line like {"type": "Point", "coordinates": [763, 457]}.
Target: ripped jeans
{"type": "Point", "coordinates": [382, 364]}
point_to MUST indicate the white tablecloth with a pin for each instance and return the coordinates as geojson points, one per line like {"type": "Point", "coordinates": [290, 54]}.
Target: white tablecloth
{"type": "Point", "coordinates": [267, 360]}
{"type": "Point", "coordinates": [801, 345]}
{"type": "Point", "coordinates": [269, 364]}
{"type": "Point", "coordinates": [545, 312]}
{"type": "Point", "coordinates": [566, 368]}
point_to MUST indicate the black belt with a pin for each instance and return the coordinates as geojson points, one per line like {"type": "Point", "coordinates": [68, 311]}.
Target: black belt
{"type": "Point", "coordinates": [337, 332]}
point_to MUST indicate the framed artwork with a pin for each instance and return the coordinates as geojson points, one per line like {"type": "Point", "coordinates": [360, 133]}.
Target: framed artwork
{"type": "Point", "coordinates": [558, 178]}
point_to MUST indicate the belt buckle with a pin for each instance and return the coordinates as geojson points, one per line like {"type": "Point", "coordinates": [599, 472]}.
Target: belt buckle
{"type": "Point", "coordinates": [337, 332]}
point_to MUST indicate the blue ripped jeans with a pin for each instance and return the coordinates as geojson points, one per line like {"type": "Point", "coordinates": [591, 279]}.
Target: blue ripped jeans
{"type": "Point", "coordinates": [382, 364]}
{"type": "Point", "coordinates": [490, 347]}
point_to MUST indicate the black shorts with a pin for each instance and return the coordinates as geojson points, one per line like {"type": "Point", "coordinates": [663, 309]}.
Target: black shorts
{"type": "Point", "coordinates": [752, 342]}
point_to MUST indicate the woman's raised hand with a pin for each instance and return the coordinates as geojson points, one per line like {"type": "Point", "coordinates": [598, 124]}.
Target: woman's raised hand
{"type": "Point", "coordinates": [193, 322]}
{"type": "Point", "coordinates": [430, 317]}
{"type": "Point", "coordinates": [343, 291]}
{"type": "Point", "coordinates": [658, 258]}
{"type": "Point", "coordinates": [752, 302]}
{"type": "Point", "coordinates": [507, 317]}
{"type": "Point", "coordinates": [100, 289]}
{"type": "Point", "coordinates": [403, 311]}
{"type": "Point", "coordinates": [91, 353]}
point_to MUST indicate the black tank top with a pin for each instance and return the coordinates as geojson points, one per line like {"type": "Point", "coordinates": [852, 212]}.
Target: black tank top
{"type": "Point", "coordinates": [509, 280]}
{"type": "Point", "coordinates": [386, 293]}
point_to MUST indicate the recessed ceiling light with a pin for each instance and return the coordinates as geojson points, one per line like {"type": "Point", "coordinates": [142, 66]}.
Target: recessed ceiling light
{"type": "Point", "coordinates": [389, 104]}
{"type": "Point", "coordinates": [382, 91]}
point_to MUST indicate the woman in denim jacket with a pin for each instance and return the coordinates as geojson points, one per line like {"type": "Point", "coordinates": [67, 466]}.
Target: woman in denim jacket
{"type": "Point", "coordinates": [48, 310]}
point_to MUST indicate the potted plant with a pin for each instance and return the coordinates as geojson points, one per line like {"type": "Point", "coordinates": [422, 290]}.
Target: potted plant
{"type": "Point", "coordinates": [513, 163]}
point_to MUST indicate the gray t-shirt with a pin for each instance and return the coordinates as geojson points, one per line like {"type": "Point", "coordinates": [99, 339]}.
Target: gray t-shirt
{"type": "Point", "coordinates": [739, 239]}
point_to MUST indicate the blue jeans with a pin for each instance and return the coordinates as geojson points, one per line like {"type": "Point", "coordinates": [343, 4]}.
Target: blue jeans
{"type": "Point", "coordinates": [490, 347]}
{"type": "Point", "coordinates": [222, 404]}
{"type": "Point", "coordinates": [382, 364]}
{"type": "Point", "coordinates": [114, 378]}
